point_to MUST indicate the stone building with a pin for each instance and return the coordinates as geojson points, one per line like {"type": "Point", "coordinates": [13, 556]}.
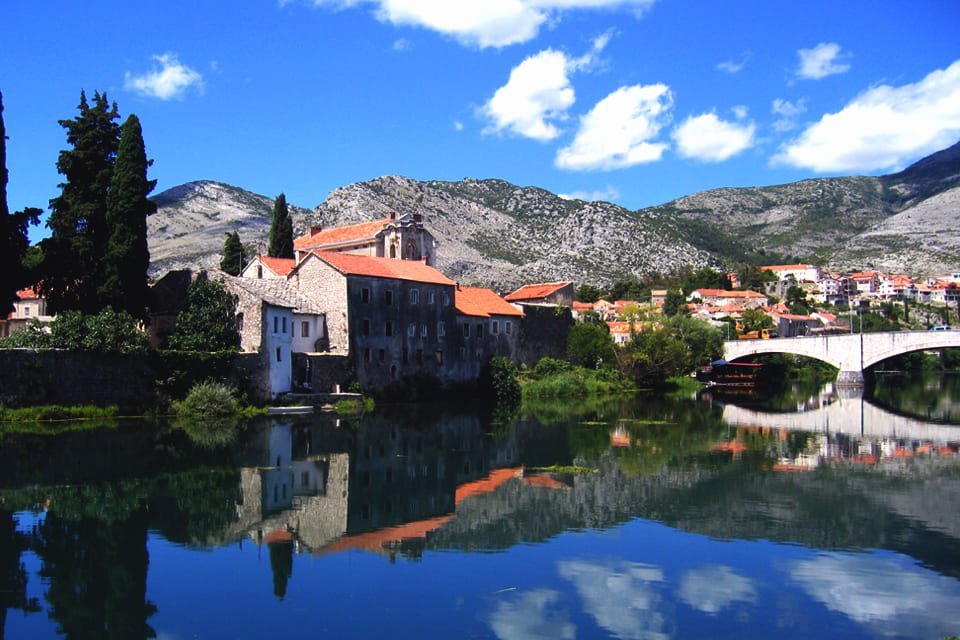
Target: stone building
{"type": "Point", "coordinates": [401, 237]}
{"type": "Point", "coordinates": [547, 293]}
{"type": "Point", "coordinates": [28, 306]}
{"type": "Point", "coordinates": [266, 267]}
{"type": "Point", "coordinates": [488, 326]}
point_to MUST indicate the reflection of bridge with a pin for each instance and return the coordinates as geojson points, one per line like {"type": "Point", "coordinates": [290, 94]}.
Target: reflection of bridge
{"type": "Point", "coordinates": [848, 414]}
{"type": "Point", "coordinates": [851, 353]}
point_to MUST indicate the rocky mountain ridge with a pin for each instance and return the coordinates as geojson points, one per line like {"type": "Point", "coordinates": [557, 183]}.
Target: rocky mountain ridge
{"type": "Point", "coordinates": [497, 234]}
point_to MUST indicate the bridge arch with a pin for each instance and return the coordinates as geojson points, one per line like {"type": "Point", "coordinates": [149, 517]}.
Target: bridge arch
{"type": "Point", "coordinates": [850, 353]}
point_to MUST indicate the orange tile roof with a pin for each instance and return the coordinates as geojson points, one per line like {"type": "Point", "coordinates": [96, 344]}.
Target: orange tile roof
{"type": "Point", "coordinates": [355, 265]}
{"type": "Point", "coordinates": [477, 301]}
{"type": "Point", "coordinates": [582, 306]}
{"type": "Point", "coordinates": [536, 291]}
{"type": "Point", "coordinates": [280, 266]}
{"type": "Point", "coordinates": [619, 327]}
{"type": "Point", "coordinates": [785, 267]}
{"type": "Point", "coordinates": [339, 235]}
{"type": "Point", "coordinates": [28, 294]}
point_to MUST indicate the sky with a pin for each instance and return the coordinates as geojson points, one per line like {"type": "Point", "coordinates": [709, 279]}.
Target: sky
{"type": "Point", "coordinates": [635, 102]}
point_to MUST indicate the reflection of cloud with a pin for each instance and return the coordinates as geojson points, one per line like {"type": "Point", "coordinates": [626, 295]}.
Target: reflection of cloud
{"type": "Point", "coordinates": [528, 615]}
{"type": "Point", "coordinates": [710, 589]}
{"type": "Point", "coordinates": [620, 596]}
{"type": "Point", "coordinates": [890, 593]}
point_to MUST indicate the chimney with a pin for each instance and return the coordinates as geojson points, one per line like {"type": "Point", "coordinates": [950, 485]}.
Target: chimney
{"type": "Point", "coordinates": [393, 215]}
{"type": "Point", "coordinates": [314, 230]}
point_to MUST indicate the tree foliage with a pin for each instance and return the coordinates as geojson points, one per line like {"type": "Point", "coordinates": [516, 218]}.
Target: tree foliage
{"type": "Point", "coordinates": [756, 320]}
{"type": "Point", "coordinates": [73, 254]}
{"type": "Point", "coordinates": [14, 241]}
{"type": "Point", "coordinates": [108, 331]}
{"type": "Point", "coordinates": [677, 348]}
{"type": "Point", "coordinates": [674, 304]}
{"type": "Point", "coordinates": [589, 345]}
{"type": "Point", "coordinates": [587, 293]}
{"type": "Point", "coordinates": [705, 278]}
{"type": "Point", "coordinates": [233, 258]}
{"type": "Point", "coordinates": [127, 257]}
{"type": "Point", "coordinates": [208, 323]}
{"type": "Point", "coordinates": [281, 230]}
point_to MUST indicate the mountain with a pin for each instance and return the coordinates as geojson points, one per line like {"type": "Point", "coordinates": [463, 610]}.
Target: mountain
{"type": "Point", "coordinates": [498, 234]}
{"type": "Point", "coordinates": [191, 220]}
{"type": "Point", "coordinates": [900, 222]}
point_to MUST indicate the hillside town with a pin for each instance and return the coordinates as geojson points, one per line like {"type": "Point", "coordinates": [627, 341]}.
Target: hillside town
{"type": "Point", "coordinates": [365, 302]}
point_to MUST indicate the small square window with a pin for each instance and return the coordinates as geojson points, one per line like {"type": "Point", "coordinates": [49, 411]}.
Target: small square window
{"type": "Point", "coordinates": [419, 356]}
{"type": "Point", "coordinates": [446, 299]}
{"type": "Point", "coordinates": [466, 330]}
{"type": "Point", "coordinates": [441, 329]}
{"type": "Point", "coordinates": [388, 328]}
{"type": "Point", "coordinates": [366, 327]}
{"type": "Point", "coordinates": [479, 330]}
{"type": "Point", "coordinates": [508, 327]}
{"type": "Point", "coordinates": [278, 354]}
{"type": "Point", "coordinates": [439, 356]}
{"type": "Point", "coordinates": [305, 329]}
{"type": "Point", "coordinates": [365, 295]}
{"type": "Point", "coordinates": [411, 330]}
{"type": "Point", "coordinates": [414, 296]}
{"type": "Point", "coordinates": [495, 327]}
{"type": "Point", "coordinates": [366, 354]}
{"type": "Point", "coordinates": [431, 298]}
{"type": "Point", "coordinates": [388, 297]}
{"type": "Point", "coordinates": [284, 325]}
{"type": "Point", "coordinates": [423, 331]}
{"type": "Point", "coordinates": [382, 355]}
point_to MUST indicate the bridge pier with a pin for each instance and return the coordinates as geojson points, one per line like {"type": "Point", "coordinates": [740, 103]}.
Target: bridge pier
{"type": "Point", "coordinates": [850, 378]}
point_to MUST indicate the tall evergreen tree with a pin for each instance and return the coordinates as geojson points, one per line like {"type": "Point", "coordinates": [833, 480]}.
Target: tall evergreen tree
{"type": "Point", "coordinates": [127, 258]}
{"type": "Point", "coordinates": [74, 252]}
{"type": "Point", "coordinates": [281, 230]}
{"type": "Point", "coordinates": [233, 259]}
{"type": "Point", "coordinates": [14, 241]}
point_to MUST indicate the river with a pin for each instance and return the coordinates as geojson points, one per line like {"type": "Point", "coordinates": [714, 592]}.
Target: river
{"type": "Point", "coordinates": [646, 517]}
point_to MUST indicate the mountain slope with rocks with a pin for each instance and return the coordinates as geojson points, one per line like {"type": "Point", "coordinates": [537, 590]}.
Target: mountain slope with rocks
{"type": "Point", "coordinates": [497, 234]}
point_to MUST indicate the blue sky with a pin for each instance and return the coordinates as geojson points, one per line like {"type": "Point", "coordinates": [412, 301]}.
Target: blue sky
{"type": "Point", "coordinates": [632, 101]}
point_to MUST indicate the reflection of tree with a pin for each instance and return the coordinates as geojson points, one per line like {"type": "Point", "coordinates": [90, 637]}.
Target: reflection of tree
{"type": "Point", "coordinates": [13, 577]}
{"type": "Point", "coordinates": [97, 575]}
{"type": "Point", "coordinates": [281, 564]}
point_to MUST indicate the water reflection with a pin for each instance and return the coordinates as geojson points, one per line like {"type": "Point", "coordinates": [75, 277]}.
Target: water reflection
{"type": "Point", "coordinates": [75, 540]}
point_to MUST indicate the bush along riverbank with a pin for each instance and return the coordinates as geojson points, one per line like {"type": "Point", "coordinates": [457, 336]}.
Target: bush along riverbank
{"type": "Point", "coordinates": [552, 378]}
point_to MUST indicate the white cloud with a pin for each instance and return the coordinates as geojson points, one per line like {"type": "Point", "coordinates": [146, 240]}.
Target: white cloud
{"type": "Point", "coordinates": [402, 44]}
{"type": "Point", "coordinates": [620, 130]}
{"type": "Point", "coordinates": [609, 194]}
{"type": "Point", "coordinates": [538, 93]}
{"type": "Point", "coordinates": [623, 597]}
{"type": "Point", "coordinates": [710, 139]}
{"type": "Point", "coordinates": [733, 66]}
{"type": "Point", "coordinates": [882, 128]}
{"type": "Point", "coordinates": [788, 111]}
{"type": "Point", "coordinates": [169, 79]}
{"type": "Point", "coordinates": [529, 615]}
{"type": "Point", "coordinates": [457, 125]}
{"type": "Point", "coordinates": [821, 61]}
{"type": "Point", "coordinates": [714, 588]}
{"type": "Point", "coordinates": [741, 111]}
{"type": "Point", "coordinates": [481, 23]}
{"type": "Point", "coordinates": [890, 594]}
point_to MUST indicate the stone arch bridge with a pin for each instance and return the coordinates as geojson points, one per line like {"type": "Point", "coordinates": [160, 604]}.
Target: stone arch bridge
{"type": "Point", "coordinates": [851, 353]}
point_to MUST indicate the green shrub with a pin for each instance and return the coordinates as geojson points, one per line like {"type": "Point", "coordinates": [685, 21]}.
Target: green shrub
{"type": "Point", "coordinates": [352, 406]}
{"type": "Point", "coordinates": [208, 399]}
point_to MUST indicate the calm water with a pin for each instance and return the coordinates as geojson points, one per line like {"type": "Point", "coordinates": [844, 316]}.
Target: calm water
{"type": "Point", "coordinates": [668, 519]}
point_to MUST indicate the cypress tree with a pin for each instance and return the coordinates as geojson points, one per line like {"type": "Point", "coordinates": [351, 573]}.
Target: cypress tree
{"type": "Point", "coordinates": [281, 230]}
{"type": "Point", "coordinates": [127, 258]}
{"type": "Point", "coordinates": [14, 241]}
{"type": "Point", "coordinates": [233, 259]}
{"type": "Point", "coordinates": [73, 254]}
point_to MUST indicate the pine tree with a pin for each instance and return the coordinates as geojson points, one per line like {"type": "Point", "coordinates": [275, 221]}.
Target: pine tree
{"type": "Point", "coordinates": [14, 241]}
{"type": "Point", "coordinates": [281, 230]}
{"type": "Point", "coordinates": [73, 254]}
{"type": "Point", "coordinates": [127, 257]}
{"type": "Point", "coordinates": [233, 259]}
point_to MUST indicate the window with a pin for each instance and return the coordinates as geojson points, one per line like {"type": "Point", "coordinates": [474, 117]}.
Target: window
{"type": "Point", "coordinates": [423, 331]}
{"type": "Point", "coordinates": [466, 330]}
{"type": "Point", "coordinates": [382, 355]}
{"type": "Point", "coordinates": [278, 354]}
{"type": "Point", "coordinates": [388, 328]}
{"type": "Point", "coordinates": [431, 297]}
{"type": "Point", "coordinates": [441, 329]}
{"type": "Point", "coordinates": [411, 330]}
{"type": "Point", "coordinates": [446, 299]}
{"type": "Point", "coordinates": [305, 329]}
{"type": "Point", "coordinates": [406, 355]}
{"type": "Point", "coordinates": [439, 355]}
{"type": "Point", "coordinates": [260, 271]}
{"type": "Point", "coordinates": [495, 327]}
{"type": "Point", "coordinates": [239, 323]}
{"type": "Point", "coordinates": [366, 354]}
{"type": "Point", "coordinates": [479, 330]}
{"type": "Point", "coordinates": [388, 297]}
{"type": "Point", "coordinates": [365, 295]}
{"type": "Point", "coordinates": [26, 310]}
{"type": "Point", "coordinates": [463, 353]}
{"type": "Point", "coordinates": [276, 324]}
{"type": "Point", "coordinates": [414, 296]}
{"type": "Point", "coordinates": [419, 356]}
{"type": "Point", "coordinates": [508, 326]}
{"type": "Point", "coordinates": [366, 327]}
{"type": "Point", "coordinates": [284, 325]}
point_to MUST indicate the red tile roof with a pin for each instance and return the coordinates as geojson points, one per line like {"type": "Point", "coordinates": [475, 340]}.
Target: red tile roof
{"type": "Point", "coordinates": [28, 294]}
{"type": "Point", "coordinates": [339, 235]}
{"type": "Point", "coordinates": [280, 266]}
{"type": "Point", "coordinates": [785, 267]}
{"type": "Point", "coordinates": [476, 301]}
{"type": "Point", "coordinates": [355, 265]}
{"type": "Point", "coordinates": [721, 293]}
{"type": "Point", "coordinates": [536, 291]}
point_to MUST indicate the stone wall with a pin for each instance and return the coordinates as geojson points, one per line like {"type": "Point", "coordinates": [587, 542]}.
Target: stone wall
{"type": "Point", "coordinates": [543, 333]}
{"type": "Point", "coordinates": [326, 288]}
{"type": "Point", "coordinates": [30, 377]}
